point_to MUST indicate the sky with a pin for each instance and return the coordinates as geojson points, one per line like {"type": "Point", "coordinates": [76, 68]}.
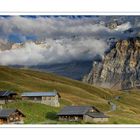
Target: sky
{"type": "Point", "coordinates": [68, 38]}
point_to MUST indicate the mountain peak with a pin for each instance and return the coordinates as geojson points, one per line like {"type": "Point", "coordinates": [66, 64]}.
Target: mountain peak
{"type": "Point", "coordinates": [120, 67]}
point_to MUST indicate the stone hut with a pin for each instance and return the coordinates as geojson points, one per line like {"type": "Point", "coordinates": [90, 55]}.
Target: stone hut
{"type": "Point", "coordinates": [48, 98]}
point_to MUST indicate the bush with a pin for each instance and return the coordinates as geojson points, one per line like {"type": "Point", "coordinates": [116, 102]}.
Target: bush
{"type": "Point", "coordinates": [51, 115]}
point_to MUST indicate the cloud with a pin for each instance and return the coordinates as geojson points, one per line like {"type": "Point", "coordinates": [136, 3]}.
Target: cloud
{"type": "Point", "coordinates": [68, 39]}
{"type": "Point", "coordinates": [43, 26]}
{"type": "Point", "coordinates": [52, 27]}
{"type": "Point", "coordinates": [61, 51]}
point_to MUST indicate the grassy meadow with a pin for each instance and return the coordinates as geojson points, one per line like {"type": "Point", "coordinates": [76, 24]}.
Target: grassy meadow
{"type": "Point", "coordinates": [72, 93]}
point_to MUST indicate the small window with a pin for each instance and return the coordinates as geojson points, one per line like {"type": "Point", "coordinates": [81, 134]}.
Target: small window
{"type": "Point", "coordinates": [17, 118]}
{"type": "Point", "coordinates": [11, 119]}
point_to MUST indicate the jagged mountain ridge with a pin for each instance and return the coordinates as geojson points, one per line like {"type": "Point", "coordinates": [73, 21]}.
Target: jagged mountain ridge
{"type": "Point", "coordinates": [120, 67]}
{"type": "Point", "coordinates": [12, 46]}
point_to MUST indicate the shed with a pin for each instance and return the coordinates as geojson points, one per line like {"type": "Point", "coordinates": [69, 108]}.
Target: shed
{"type": "Point", "coordinates": [48, 98]}
{"type": "Point", "coordinates": [11, 116]}
{"type": "Point", "coordinates": [82, 113]}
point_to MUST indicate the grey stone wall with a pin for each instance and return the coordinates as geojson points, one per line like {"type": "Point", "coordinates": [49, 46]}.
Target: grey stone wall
{"type": "Point", "coordinates": [52, 101]}
{"type": "Point", "coordinates": [87, 118]}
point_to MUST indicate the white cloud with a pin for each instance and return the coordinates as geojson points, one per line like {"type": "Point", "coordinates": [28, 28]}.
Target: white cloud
{"type": "Point", "coordinates": [70, 39]}
{"type": "Point", "coordinates": [61, 51]}
{"type": "Point", "coordinates": [51, 27]}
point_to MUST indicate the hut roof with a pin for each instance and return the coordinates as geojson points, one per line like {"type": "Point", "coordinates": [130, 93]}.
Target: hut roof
{"type": "Point", "coordinates": [76, 110]}
{"type": "Point", "coordinates": [4, 113]}
{"type": "Point", "coordinates": [38, 94]}
{"type": "Point", "coordinates": [7, 93]}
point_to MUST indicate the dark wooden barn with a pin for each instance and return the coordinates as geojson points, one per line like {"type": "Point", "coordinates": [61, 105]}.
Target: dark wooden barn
{"type": "Point", "coordinates": [82, 113]}
{"type": "Point", "coordinates": [7, 96]}
{"type": "Point", "coordinates": [11, 116]}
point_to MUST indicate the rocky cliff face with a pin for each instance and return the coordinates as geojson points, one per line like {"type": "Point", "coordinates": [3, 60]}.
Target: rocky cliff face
{"type": "Point", "coordinates": [120, 67]}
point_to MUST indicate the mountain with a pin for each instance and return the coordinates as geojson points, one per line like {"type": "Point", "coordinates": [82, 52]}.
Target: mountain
{"type": "Point", "coordinates": [70, 56]}
{"type": "Point", "coordinates": [40, 44]}
{"type": "Point", "coordinates": [5, 45]}
{"type": "Point", "coordinates": [120, 67]}
{"type": "Point", "coordinates": [75, 70]}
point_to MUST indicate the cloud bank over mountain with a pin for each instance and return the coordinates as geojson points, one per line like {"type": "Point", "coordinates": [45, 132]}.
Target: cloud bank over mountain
{"type": "Point", "coordinates": [61, 51]}
{"type": "Point", "coordinates": [68, 38]}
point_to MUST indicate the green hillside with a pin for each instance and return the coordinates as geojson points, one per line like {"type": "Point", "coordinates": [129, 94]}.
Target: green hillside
{"type": "Point", "coordinates": [72, 93]}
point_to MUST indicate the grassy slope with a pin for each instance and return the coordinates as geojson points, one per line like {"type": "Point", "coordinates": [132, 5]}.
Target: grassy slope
{"type": "Point", "coordinates": [72, 92]}
{"type": "Point", "coordinates": [128, 108]}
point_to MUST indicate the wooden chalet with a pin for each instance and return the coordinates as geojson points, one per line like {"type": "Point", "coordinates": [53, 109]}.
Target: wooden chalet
{"type": "Point", "coordinates": [7, 96]}
{"type": "Point", "coordinates": [82, 113]}
{"type": "Point", "coordinates": [11, 116]}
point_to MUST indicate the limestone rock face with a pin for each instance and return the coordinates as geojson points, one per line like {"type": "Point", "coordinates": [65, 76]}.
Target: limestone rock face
{"type": "Point", "coordinates": [120, 67]}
